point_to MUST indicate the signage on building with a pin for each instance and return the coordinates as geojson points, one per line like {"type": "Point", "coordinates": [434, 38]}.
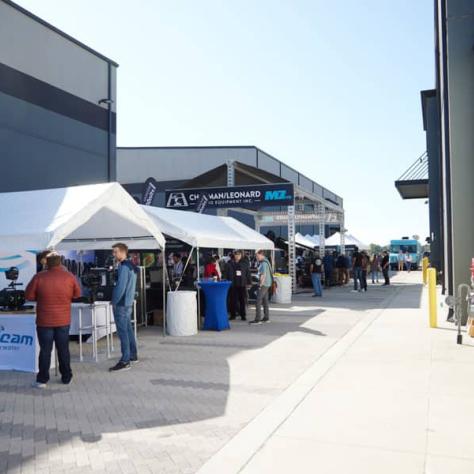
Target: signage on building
{"type": "Point", "coordinates": [253, 197]}
{"type": "Point", "coordinates": [305, 218]}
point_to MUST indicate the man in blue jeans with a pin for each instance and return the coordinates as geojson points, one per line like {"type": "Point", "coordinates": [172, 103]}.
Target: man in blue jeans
{"type": "Point", "coordinates": [265, 279]}
{"type": "Point", "coordinates": [316, 270]}
{"type": "Point", "coordinates": [123, 297]}
{"type": "Point", "coordinates": [53, 289]}
{"type": "Point", "coordinates": [357, 270]}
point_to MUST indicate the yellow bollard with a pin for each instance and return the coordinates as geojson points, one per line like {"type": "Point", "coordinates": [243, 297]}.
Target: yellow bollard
{"type": "Point", "coordinates": [433, 310]}
{"type": "Point", "coordinates": [424, 266]}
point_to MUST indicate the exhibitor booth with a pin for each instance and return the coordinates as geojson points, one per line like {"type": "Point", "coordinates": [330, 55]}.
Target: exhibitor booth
{"type": "Point", "coordinates": [206, 231]}
{"type": "Point", "coordinates": [88, 217]}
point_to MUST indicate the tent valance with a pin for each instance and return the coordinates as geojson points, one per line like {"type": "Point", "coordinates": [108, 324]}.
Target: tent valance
{"type": "Point", "coordinates": [78, 217]}
{"type": "Point", "coordinates": [203, 230]}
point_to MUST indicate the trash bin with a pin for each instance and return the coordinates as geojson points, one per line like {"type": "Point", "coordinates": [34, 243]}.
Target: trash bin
{"type": "Point", "coordinates": [181, 313]}
{"type": "Point", "coordinates": [283, 291]}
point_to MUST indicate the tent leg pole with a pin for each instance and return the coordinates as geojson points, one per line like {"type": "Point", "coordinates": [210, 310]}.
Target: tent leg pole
{"type": "Point", "coordinates": [164, 292]}
{"type": "Point", "coordinates": [198, 291]}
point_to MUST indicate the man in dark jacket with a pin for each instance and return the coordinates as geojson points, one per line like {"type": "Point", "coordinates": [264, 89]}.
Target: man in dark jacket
{"type": "Point", "coordinates": [123, 297]}
{"type": "Point", "coordinates": [238, 272]}
{"type": "Point", "coordinates": [357, 270]}
{"type": "Point", "coordinates": [53, 290]}
{"type": "Point", "coordinates": [328, 262]}
{"type": "Point", "coordinates": [385, 264]}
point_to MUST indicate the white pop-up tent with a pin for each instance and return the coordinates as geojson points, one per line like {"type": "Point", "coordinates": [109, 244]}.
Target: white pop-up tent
{"type": "Point", "coordinates": [80, 217]}
{"type": "Point", "coordinates": [205, 231]}
{"type": "Point", "coordinates": [313, 238]}
{"type": "Point", "coordinates": [304, 242]}
{"type": "Point", "coordinates": [349, 239]}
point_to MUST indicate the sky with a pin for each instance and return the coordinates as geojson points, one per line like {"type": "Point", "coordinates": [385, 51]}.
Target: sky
{"type": "Point", "coordinates": [331, 88]}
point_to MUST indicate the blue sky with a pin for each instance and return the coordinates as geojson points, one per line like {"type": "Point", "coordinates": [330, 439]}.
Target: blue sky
{"type": "Point", "coordinates": [332, 88]}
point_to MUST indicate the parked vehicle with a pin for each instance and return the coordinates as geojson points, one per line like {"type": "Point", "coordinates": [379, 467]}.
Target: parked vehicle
{"type": "Point", "coordinates": [406, 246]}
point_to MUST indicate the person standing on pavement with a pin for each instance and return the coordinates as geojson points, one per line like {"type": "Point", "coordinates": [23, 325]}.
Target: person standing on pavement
{"type": "Point", "coordinates": [374, 268]}
{"type": "Point", "coordinates": [386, 268]}
{"type": "Point", "coordinates": [328, 264]}
{"type": "Point", "coordinates": [265, 280]}
{"type": "Point", "coordinates": [408, 261]}
{"type": "Point", "coordinates": [341, 269]}
{"type": "Point", "coordinates": [401, 260]}
{"type": "Point", "coordinates": [123, 296]}
{"type": "Point", "coordinates": [357, 270]}
{"type": "Point", "coordinates": [347, 268]}
{"type": "Point", "coordinates": [53, 290]}
{"type": "Point", "coordinates": [365, 268]}
{"type": "Point", "coordinates": [316, 269]}
{"type": "Point", "coordinates": [238, 273]}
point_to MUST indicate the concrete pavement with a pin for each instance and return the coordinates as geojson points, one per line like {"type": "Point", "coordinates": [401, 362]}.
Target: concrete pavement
{"type": "Point", "coordinates": [347, 383]}
{"type": "Point", "coordinates": [184, 401]}
{"type": "Point", "coordinates": [392, 396]}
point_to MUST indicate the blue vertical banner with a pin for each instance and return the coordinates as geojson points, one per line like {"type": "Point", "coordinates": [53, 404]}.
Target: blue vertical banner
{"type": "Point", "coordinates": [149, 190]}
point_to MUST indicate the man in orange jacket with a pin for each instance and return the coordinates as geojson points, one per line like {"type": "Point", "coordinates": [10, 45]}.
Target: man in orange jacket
{"type": "Point", "coordinates": [53, 290]}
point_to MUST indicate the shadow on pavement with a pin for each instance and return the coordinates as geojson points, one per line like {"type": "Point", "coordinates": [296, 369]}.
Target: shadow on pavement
{"type": "Point", "coordinates": [178, 381]}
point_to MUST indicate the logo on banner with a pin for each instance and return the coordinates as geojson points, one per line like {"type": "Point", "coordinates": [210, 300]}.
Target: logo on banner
{"type": "Point", "coordinates": [14, 339]}
{"type": "Point", "coordinates": [177, 200]}
{"type": "Point", "coordinates": [278, 195]}
{"type": "Point", "coordinates": [252, 196]}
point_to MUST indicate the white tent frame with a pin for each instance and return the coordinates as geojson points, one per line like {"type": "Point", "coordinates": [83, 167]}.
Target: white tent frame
{"type": "Point", "coordinates": [78, 213]}
{"type": "Point", "coordinates": [224, 232]}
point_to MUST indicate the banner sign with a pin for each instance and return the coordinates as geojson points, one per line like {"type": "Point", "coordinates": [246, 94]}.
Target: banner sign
{"type": "Point", "coordinates": [18, 343]}
{"type": "Point", "coordinates": [252, 196]}
{"type": "Point", "coordinates": [308, 218]}
{"type": "Point", "coordinates": [202, 204]}
{"type": "Point", "coordinates": [149, 191]}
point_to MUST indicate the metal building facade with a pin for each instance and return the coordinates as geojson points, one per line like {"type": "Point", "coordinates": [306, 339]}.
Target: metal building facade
{"type": "Point", "coordinates": [172, 167]}
{"type": "Point", "coordinates": [455, 79]}
{"type": "Point", "coordinates": [57, 106]}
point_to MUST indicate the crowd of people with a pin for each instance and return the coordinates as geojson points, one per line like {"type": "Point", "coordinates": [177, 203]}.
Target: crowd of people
{"type": "Point", "coordinates": [337, 269]}
{"type": "Point", "coordinates": [54, 288]}
{"type": "Point", "coordinates": [237, 267]}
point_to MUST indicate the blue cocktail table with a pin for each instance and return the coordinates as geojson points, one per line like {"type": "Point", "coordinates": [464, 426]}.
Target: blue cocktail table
{"type": "Point", "coordinates": [215, 293]}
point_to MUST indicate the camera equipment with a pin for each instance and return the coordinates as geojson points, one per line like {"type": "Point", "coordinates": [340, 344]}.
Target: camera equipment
{"type": "Point", "coordinates": [10, 297]}
{"type": "Point", "coordinates": [99, 282]}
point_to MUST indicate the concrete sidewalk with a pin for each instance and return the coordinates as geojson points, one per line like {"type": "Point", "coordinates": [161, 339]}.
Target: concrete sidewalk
{"type": "Point", "coordinates": [185, 400]}
{"type": "Point", "coordinates": [392, 396]}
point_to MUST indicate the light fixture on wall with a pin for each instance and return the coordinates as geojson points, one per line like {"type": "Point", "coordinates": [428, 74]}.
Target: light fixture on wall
{"type": "Point", "coordinates": [105, 101]}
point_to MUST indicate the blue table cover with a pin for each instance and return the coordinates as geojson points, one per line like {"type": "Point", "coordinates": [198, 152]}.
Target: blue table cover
{"type": "Point", "coordinates": [215, 292]}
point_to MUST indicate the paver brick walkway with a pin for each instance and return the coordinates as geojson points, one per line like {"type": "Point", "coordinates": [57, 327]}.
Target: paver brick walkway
{"type": "Point", "coordinates": [185, 399]}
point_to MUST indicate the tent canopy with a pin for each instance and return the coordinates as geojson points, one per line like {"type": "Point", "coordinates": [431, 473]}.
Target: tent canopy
{"type": "Point", "coordinates": [314, 239]}
{"type": "Point", "coordinates": [203, 230]}
{"type": "Point", "coordinates": [79, 217]}
{"type": "Point", "coordinates": [349, 239]}
{"type": "Point", "coordinates": [304, 242]}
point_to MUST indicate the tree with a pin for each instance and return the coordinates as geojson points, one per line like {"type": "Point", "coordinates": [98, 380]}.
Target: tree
{"type": "Point", "coordinates": [375, 248]}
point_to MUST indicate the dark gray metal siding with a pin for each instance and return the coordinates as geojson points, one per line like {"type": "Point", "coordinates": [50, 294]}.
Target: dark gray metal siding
{"type": "Point", "coordinates": [43, 149]}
